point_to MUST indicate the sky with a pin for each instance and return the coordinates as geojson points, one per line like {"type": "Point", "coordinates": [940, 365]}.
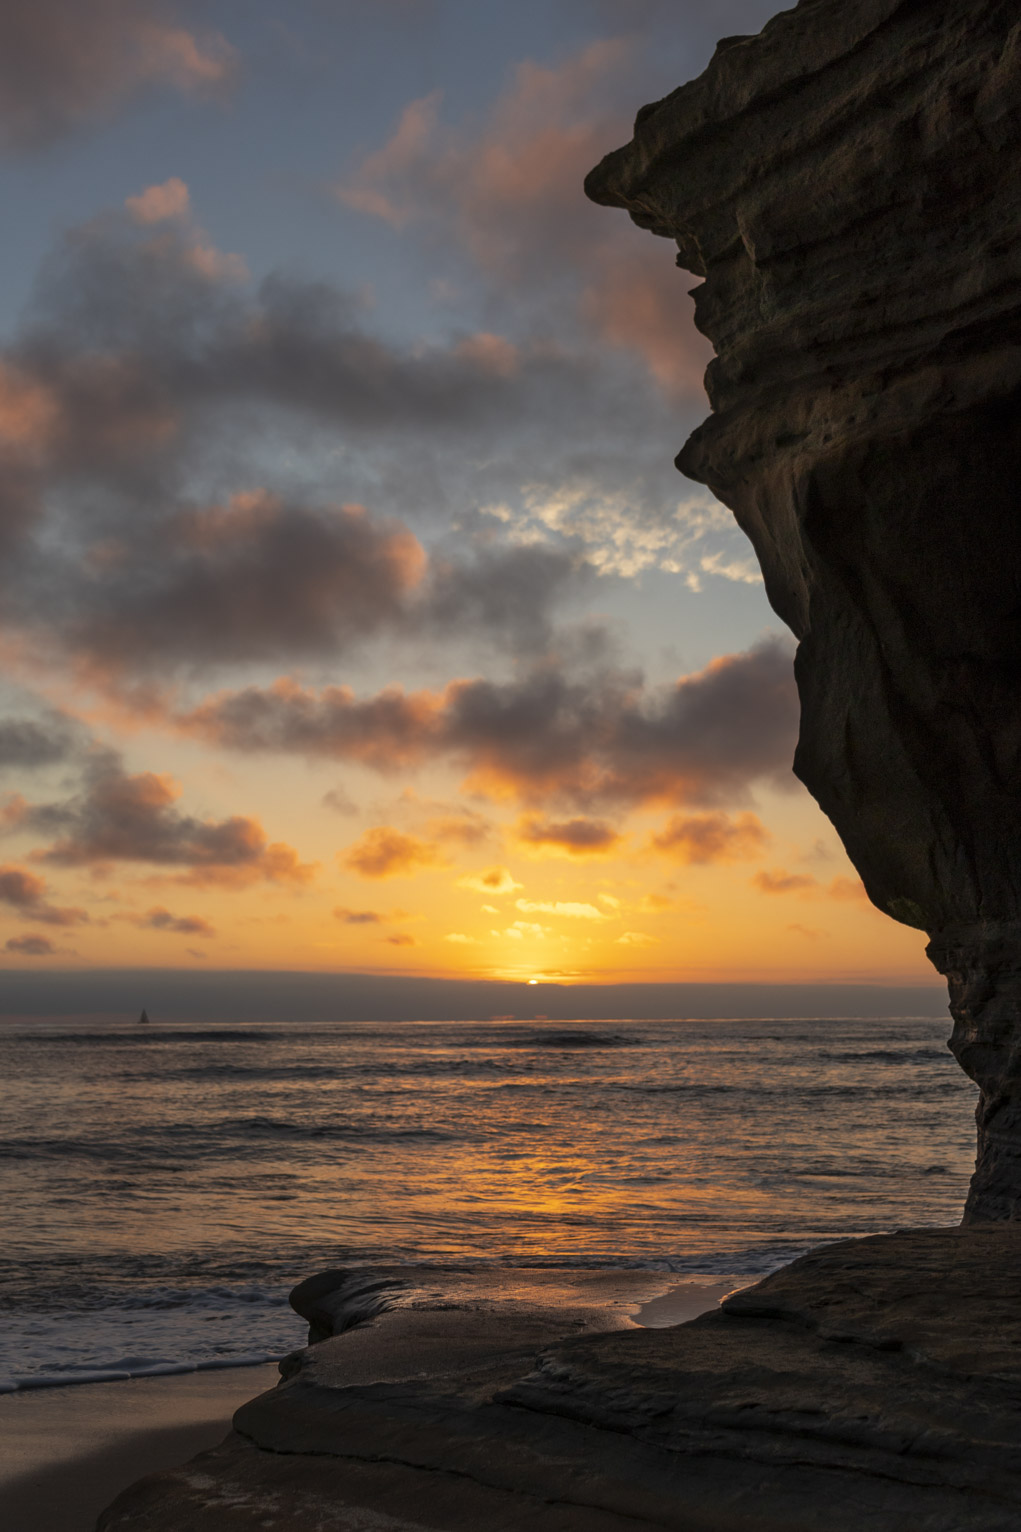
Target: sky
{"type": "Point", "coordinates": [353, 615]}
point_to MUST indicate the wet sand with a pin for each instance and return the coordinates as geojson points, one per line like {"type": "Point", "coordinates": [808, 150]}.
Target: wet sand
{"type": "Point", "coordinates": [67, 1452]}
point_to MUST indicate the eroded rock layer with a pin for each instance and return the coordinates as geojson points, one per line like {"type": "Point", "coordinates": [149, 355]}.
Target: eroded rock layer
{"type": "Point", "coordinates": [847, 184]}
{"type": "Point", "coordinates": [875, 1383]}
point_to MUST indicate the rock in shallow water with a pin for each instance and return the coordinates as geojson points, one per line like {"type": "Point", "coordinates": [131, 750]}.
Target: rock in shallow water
{"type": "Point", "coordinates": [849, 186]}
{"type": "Point", "coordinates": [875, 1383]}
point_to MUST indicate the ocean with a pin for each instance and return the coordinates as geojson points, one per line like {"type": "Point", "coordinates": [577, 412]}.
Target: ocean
{"type": "Point", "coordinates": [164, 1186]}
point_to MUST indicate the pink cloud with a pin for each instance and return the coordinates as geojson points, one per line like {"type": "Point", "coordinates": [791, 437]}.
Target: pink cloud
{"type": "Point", "coordinates": [507, 190]}
{"type": "Point", "coordinates": [158, 203]}
{"type": "Point", "coordinates": [64, 63]}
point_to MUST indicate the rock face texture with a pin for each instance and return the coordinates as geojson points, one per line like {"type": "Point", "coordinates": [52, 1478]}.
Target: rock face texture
{"type": "Point", "coordinates": [873, 1384]}
{"type": "Point", "coordinates": [848, 184]}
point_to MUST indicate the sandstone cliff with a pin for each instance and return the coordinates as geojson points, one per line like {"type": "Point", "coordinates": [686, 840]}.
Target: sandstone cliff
{"type": "Point", "coordinates": [847, 184]}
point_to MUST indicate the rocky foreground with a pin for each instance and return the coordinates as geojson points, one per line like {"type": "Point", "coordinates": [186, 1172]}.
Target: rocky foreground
{"type": "Point", "coordinates": [874, 1384]}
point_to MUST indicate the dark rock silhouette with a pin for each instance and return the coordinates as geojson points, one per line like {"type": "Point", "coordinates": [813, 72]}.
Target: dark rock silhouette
{"type": "Point", "coordinates": [847, 185]}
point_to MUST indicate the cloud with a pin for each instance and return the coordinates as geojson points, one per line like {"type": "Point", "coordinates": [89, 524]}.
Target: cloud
{"type": "Point", "coordinates": [460, 939]}
{"type": "Point", "coordinates": [851, 889]}
{"type": "Point", "coordinates": [339, 801]}
{"type": "Point", "coordinates": [520, 931]}
{"type": "Point", "coordinates": [255, 579]}
{"type": "Point", "coordinates": [178, 446]}
{"type": "Point", "coordinates": [636, 939]}
{"type": "Point", "coordinates": [781, 882]}
{"type": "Point", "coordinates": [65, 63]}
{"type": "Point", "coordinates": [358, 917]}
{"type": "Point", "coordinates": [466, 828]}
{"type": "Point", "coordinates": [159, 919]}
{"type": "Point", "coordinates": [577, 837]}
{"type": "Point", "coordinates": [383, 852]}
{"type": "Point", "coordinates": [401, 939]}
{"type": "Point", "coordinates": [30, 945]}
{"type": "Point", "coordinates": [505, 189]}
{"type": "Point", "coordinates": [603, 738]}
{"type": "Point", "coordinates": [119, 817]}
{"type": "Point", "coordinates": [706, 838]}
{"type": "Point", "coordinates": [26, 893]}
{"type": "Point", "coordinates": [495, 880]}
{"type": "Point", "coordinates": [33, 742]}
{"type": "Point", "coordinates": [170, 199]}
{"type": "Point", "coordinates": [569, 909]}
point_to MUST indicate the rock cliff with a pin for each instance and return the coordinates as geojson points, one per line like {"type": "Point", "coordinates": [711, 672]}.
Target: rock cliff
{"type": "Point", "coordinates": [847, 185]}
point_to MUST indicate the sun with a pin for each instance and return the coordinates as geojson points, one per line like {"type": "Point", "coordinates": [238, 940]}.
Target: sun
{"type": "Point", "coordinates": [533, 981]}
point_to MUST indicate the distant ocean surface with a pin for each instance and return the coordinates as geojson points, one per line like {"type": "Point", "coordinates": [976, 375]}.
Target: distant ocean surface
{"type": "Point", "coordinates": [164, 1186]}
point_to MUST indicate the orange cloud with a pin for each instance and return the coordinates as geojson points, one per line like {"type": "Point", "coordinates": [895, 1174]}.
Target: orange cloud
{"type": "Point", "coordinates": [28, 410]}
{"type": "Point", "coordinates": [495, 880]}
{"type": "Point", "coordinates": [705, 838]}
{"type": "Point", "coordinates": [358, 917]}
{"type": "Point", "coordinates": [568, 909]}
{"type": "Point", "coordinates": [850, 889]}
{"type": "Point", "coordinates": [465, 830]}
{"type": "Point", "coordinates": [25, 892]}
{"type": "Point", "coordinates": [781, 882]}
{"type": "Point", "coordinates": [383, 852]}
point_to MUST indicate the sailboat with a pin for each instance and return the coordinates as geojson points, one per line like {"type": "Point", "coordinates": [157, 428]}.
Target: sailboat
{"type": "Point", "coordinates": [143, 1020]}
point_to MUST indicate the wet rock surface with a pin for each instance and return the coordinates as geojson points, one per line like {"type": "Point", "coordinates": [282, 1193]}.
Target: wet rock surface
{"type": "Point", "coordinates": [847, 185]}
{"type": "Point", "coordinates": [875, 1383]}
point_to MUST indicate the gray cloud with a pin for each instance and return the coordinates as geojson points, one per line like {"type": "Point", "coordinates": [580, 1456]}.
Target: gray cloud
{"type": "Point", "coordinates": [23, 891]}
{"type": "Point", "coordinates": [118, 817]}
{"type": "Point", "coordinates": [578, 837]}
{"type": "Point", "coordinates": [68, 62]}
{"type": "Point", "coordinates": [140, 375]}
{"type": "Point", "coordinates": [359, 917]}
{"type": "Point", "coordinates": [32, 742]}
{"type": "Point", "coordinates": [601, 738]}
{"type": "Point", "coordinates": [31, 945]}
{"type": "Point", "coordinates": [159, 919]}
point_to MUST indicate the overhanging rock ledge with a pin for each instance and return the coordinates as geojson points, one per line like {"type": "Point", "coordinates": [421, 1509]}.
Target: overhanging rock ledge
{"type": "Point", "coordinates": [848, 184]}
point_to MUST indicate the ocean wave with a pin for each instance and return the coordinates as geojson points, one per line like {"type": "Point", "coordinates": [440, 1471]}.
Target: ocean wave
{"type": "Point", "coordinates": [887, 1056]}
{"type": "Point", "coordinates": [145, 1037]}
{"type": "Point", "coordinates": [66, 1377]}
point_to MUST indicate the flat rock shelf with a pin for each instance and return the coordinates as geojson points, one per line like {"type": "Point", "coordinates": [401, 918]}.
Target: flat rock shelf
{"type": "Point", "coordinates": [873, 1383]}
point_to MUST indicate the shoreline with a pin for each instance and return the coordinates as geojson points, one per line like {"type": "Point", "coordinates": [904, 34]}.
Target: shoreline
{"type": "Point", "coordinates": [72, 1449]}
{"type": "Point", "coordinates": [69, 1451]}
{"type": "Point", "coordinates": [29, 1384]}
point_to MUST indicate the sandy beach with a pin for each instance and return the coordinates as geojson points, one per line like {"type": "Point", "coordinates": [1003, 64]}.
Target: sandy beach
{"type": "Point", "coordinates": [68, 1451]}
